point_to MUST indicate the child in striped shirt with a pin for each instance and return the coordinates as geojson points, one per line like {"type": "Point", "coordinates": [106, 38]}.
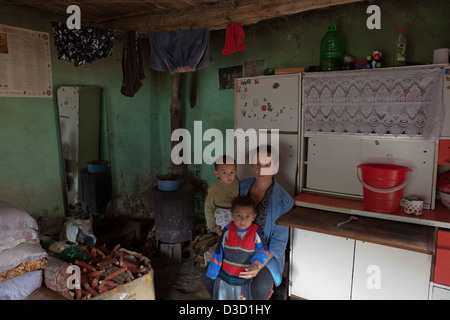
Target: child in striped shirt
{"type": "Point", "coordinates": [241, 246]}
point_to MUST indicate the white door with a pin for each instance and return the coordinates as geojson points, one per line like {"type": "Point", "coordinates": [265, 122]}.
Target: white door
{"type": "Point", "coordinates": [321, 266]}
{"type": "Point", "coordinates": [387, 273]}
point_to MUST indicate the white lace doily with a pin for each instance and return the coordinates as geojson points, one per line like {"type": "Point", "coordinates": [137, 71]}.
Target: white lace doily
{"type": "Point", "coordinates": [406, 100]}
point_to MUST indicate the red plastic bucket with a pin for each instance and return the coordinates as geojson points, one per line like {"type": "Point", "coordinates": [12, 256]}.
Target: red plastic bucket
{"type": "Point", "coordinates": [382, 186]}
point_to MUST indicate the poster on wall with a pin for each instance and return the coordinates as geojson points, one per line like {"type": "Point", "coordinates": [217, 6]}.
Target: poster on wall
{"type": "Point", "coordinates": [25, 63]}
{"type": "Point", "coordinates": [227, 76]}
{"type": "Point", "coordinates": [254, 68]}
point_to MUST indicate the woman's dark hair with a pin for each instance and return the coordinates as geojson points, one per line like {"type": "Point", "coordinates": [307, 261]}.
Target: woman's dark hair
{"type": "Point", "coordinates": [243, 201]}
{"type": "Point", "coordinates": [265, 150]}
{"type": "Point", "coordinates": [267, 147]}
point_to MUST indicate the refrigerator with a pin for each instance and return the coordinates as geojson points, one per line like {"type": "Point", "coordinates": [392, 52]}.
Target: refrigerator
{"type": "Point", "coordinates": [271, 106]}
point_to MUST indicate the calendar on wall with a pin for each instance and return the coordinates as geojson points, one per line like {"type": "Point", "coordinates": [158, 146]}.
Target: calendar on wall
{"type": "Point", "coordinates": [25, 63]}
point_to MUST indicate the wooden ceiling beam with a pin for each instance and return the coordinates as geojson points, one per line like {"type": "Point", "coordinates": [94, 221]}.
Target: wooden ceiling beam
{"type": "Point", "coordinates": [216, 17]}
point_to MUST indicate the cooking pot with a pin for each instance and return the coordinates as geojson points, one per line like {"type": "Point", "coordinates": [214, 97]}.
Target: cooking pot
{"type": "Point", "coordinates": [169, 182]}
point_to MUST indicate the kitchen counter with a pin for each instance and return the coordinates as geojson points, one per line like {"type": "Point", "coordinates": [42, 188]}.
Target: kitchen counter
{"type": "Point", "coordinates": [439, 217]}
{"type": "Point", "coordinates": [363, 259]}
{"type": "Point", "coordinates": [407, 236]}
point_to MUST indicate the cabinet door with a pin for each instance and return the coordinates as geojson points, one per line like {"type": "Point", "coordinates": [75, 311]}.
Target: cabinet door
{"type": "Point", "coordinates": [332, 164]}
{"type": "Point", "coordinates": [440, 292]}
{"type": "Point", "coordinates": [388, 273]}
{"type": "Point", "coordinates": [321, 266]}
{"type": "Point", "coordinates": [268, 102]}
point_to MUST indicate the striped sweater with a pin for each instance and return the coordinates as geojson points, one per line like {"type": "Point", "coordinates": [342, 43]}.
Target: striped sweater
{"type": "Point", "coordinates": [236, 250]}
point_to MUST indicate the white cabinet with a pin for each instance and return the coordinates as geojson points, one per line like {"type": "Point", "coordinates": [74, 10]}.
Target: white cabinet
{"type": "Point", "coordinates": [331, 267]}
{"type": "Point", "coordinates": [439, 292]}
{"type": "Point", "coordinates": [387, 273]}
{"type": "Point", "coordinates": [321, 266]}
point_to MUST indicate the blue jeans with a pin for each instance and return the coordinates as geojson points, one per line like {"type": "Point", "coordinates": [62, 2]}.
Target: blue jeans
{"type": "Point", "coordinates": [261, 286]}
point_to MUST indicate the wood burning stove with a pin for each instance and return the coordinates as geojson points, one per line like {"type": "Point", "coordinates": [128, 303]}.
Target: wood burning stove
{"type": "Point", "coordinates": [174, 216]}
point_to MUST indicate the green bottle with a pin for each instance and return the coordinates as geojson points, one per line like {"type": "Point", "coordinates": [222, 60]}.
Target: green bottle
{"type": "Point", "coordinates": [331, 50]}
{"type": "Point", "coordinates": [64, 251]}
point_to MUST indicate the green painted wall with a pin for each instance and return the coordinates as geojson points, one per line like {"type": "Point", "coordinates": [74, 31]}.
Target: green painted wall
{"type": "Point", "coordinates": [140, 126]}
{"type": "Point", "coordinates": [31, 173]}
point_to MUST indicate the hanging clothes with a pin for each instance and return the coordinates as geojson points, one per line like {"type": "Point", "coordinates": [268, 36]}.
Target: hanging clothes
{"type": "Point", "coordinates": [180, 50]}
{"type": "Point", "coordinates": [84, 45]}
{"type": "Point", "coordinates": [234, 38]}
{"type": "Point", "coordinates": [132, 67]}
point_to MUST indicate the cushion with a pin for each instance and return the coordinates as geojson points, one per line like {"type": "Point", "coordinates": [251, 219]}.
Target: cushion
{"type": "Point", "coordinates": [12, 238]}
{"type": "Point", "coordinates": [24, 252]}
{"type": "Point", "coordinates": [12, 217]}
{"type": "Point", "coordinates": [20, 287]}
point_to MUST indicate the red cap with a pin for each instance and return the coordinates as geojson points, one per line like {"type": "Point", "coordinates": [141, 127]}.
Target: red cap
{"type": "Point", "coordinates": [400, 30]}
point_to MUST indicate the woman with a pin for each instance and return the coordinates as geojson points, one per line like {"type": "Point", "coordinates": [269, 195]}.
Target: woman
{"type": "Point", "coordinates": [272, 202]}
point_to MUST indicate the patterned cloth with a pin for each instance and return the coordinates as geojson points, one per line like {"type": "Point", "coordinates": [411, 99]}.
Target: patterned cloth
{"type": "Point", "coordinates": [222, 216]}
{"type": "Point", "coordinates": [261, 208]}
{"type": "Point", "coordinates": [382, 101]}
{"type": "Point", "coordinates": [22, 268]}
{"type": "Point", "coordinates": [56, 276]}
{"type": "Point", "coordinates": [84, 45]}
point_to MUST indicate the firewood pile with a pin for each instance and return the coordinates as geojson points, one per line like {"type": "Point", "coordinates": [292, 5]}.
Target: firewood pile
{"type": "Point", "coordinates": [202, 247]}
{"type": "Point", "coordinates": [108, 269]}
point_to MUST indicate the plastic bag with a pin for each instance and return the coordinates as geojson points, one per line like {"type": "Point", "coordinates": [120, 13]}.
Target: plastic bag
{"type": "Point", "coordinates": [79, 231]}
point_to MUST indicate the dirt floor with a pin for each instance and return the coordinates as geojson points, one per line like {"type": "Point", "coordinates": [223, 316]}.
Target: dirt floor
{"type": "Point", "coordinates": [175, 280]}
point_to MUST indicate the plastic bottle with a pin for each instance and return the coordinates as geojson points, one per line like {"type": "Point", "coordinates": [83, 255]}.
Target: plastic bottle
{"type": "Point", "coordinates": [331, 50]}
{"type": "Point", "coordinates": [64, 251]}
{"type": "Point", "coordinates": [400, 49]}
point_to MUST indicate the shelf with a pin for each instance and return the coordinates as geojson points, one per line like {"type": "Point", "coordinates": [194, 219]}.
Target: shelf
{"type": "Point", "coordinates": [439, 217]}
